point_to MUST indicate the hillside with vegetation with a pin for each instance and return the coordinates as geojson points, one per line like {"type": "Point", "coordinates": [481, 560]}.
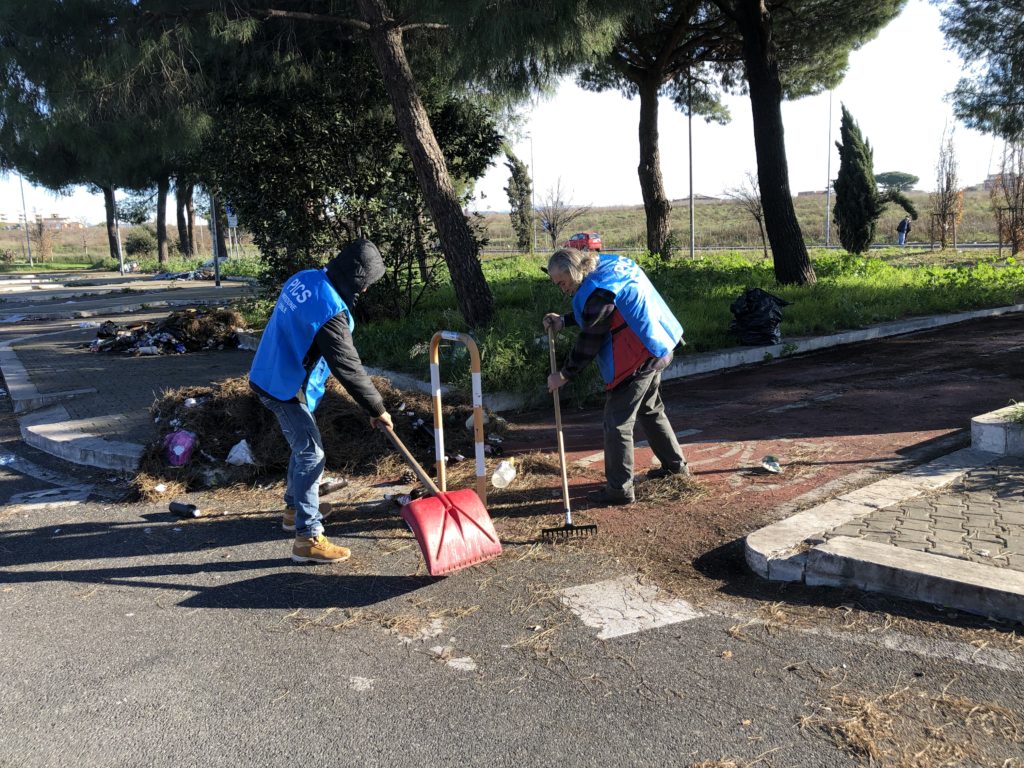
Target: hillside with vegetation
{"type": "Point", "coordinates": [726, 223]}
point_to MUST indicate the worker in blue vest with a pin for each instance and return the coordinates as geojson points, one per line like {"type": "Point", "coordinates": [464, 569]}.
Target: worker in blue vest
{"type": "Point", "coordinates": [309, 337]}
{"type": "Point", "coordinates": [627, 327]}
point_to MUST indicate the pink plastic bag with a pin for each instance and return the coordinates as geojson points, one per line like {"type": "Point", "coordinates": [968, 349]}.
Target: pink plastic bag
{"type": "Point", "coordinates": [178, 447]}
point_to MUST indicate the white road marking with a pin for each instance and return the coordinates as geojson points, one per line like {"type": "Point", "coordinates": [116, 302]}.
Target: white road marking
{"type": "Point", "coordinates": [623, 606]}
{"type": "Point", "coordinates": [360, 683]}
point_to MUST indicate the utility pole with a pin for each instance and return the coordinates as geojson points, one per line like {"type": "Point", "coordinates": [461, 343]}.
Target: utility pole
{"type": "Point", "coordinates": [689, 129]}
{"type": "Point", "coordinates": [533, 197]}
{"type": "Point", "coordinates": [828, 174]}
{"type": "Point", "coordinates": [24, 212]}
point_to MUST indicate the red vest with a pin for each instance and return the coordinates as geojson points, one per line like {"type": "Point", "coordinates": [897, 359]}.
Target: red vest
{"type": "Point", "coordinates": [628, 352]}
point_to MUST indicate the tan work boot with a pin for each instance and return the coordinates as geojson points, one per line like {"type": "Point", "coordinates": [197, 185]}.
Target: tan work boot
{"type": "Point", "coordinates": [318, 549]}
{"type": "Point", "coordinates": [288, 519]}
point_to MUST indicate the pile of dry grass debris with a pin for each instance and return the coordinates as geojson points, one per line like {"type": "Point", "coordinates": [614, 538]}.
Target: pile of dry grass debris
{"type": "Point", "coordinates": [188, 330]}
{"type": "Point", "coordinates": [223, 415]}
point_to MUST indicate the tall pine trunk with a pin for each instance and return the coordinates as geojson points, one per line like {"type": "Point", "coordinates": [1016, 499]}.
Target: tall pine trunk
{"type": "Point", "coordinates": [460, 249]}
{"type": "Point", "coordinates": [182, 199]}
{"type": "Point", "coordinates": [656, 205]}
{"type": "Point", "coordinates": [792, 264]}
{"type": "Point", "coordinates": [108, 205]}
{"type": "Point", "coordinates": [163, 184]}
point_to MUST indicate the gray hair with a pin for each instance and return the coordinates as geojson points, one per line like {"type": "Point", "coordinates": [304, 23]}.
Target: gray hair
{"type": "Point", "coordinates": [572, 262]}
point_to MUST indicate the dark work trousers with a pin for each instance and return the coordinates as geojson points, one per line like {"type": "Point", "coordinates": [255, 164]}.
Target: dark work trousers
{"type": "Point", "coordinates": [637, 400]}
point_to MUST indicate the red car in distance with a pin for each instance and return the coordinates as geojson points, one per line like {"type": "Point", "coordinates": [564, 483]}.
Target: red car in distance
{"type": "Point", "coordinates": [584, 241]}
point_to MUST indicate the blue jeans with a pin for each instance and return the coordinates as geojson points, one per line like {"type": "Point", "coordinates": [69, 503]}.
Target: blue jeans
{"type": "Point", "coordinates": [902, 237]}
{"type": "Point", "coordinates": [305, 465]}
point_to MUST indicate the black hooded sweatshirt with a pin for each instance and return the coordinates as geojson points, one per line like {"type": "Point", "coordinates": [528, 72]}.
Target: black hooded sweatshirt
{"type": "Point", "coordinates": [356, 267]}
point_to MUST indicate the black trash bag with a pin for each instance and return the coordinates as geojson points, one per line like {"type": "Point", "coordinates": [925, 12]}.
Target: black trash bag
{"type": "Point", "coordinates": [757, 317]}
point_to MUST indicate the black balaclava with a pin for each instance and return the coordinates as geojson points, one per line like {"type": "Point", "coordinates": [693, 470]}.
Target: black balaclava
{"type": "Point", "coordinates": [356, 267]}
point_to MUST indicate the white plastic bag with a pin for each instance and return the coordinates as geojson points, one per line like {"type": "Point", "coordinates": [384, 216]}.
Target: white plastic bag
{"type": "Point", "coordinates": [240, 454]}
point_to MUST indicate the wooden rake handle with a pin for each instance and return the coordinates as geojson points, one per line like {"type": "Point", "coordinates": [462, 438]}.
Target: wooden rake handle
{"type": "Point", "coordinates": [558, 429]}
{"type": "Point", "coordinates": [411, 460]}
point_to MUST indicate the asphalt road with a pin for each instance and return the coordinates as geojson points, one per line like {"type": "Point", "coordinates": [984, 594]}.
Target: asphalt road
{"type": "Point", "coordinates": [132, 638]}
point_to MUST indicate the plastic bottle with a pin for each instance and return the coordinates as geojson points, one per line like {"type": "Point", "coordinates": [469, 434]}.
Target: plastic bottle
{"type": "Point", "coordinates": [504, 474]}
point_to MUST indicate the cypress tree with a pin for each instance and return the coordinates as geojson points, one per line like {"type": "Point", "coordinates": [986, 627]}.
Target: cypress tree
{"type": "Point", "coordinates": [519, 191]}
{"type": "Point", "coordinates": [859, 204]}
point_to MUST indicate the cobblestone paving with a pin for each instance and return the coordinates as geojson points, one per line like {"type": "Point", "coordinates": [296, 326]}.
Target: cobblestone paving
{"type": "Point", "coordinates": [980, 518]}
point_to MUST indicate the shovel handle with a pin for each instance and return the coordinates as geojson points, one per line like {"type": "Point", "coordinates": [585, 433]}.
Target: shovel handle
{"type": "Point", "coordinates": [558, 430]}
{"type": "Point", "coordinates": [411, 460]}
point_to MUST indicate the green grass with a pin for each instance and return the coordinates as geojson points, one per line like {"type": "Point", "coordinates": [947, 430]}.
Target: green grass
{"type": "Point", "coordinates": [851, 292]}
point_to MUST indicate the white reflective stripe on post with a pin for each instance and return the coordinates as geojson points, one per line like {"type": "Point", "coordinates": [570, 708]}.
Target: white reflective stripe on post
{"type": "Point", "coordinates": [478, 395]}
{"type": "Point", "coordinates": [481, 469]}
{"type": "Point", "coordinates": [435, 388]}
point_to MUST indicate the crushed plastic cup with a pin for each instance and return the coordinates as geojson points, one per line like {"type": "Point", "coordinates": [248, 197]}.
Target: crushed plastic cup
{"type": "Point", "coordinates": [771, 464]}
{"type": "Point", "coordinates": [504, 474]}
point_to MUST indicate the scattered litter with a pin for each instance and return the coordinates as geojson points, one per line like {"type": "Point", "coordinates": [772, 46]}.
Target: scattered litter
{"type": "Point", "coordinates": [504, 474]}
{"type": "Point", "coordinates": [240, 454]}
{"type": "Point", "coordinates": [332, 484]}
{"type": "Point", "coordinates": [88, 324]}
{"type": "Point", "coordinates": [178, 447]}
{"type": "Point", "coordinates": [57, 530]}
{"type": "Point", "coordinates": [184, 510]}
{"type": "Point", "coordinates": [160, 487]}
{"type": "Point", "coordinates": [771, 464]}
{"type": "Point", "coordinates": [188, 330]}
{"type": "Point", "coordinates": [190, 402]}
{"type": "Point", "coordinates": [7, 458]}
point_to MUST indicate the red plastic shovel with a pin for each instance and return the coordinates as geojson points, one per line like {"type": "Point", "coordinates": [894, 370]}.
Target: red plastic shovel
{"type": "Point", "coordinates": [452, 528]}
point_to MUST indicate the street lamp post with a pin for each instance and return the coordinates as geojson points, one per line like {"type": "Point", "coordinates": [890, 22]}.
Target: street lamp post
{"type": "Point", "coordinates": [533, 198]}
{"type": "Point", "coordinates": [828, 174]}
{"type": "Point", "coordinates": [689, 129]}
{"type": "Point", "coordinates": [24, 212]}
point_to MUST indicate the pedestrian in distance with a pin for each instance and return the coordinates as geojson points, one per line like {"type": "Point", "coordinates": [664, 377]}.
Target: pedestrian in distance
{"type": "Point", "coordinates": [902, 230]}
{"type": "Point", "coordinates": [626, 326]}
{"type": "Point", "coordinates": [308, 338]}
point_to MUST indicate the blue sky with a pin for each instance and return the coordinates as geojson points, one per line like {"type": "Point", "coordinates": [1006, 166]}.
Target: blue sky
{"type": "Point", "coordinates": [589, 140]}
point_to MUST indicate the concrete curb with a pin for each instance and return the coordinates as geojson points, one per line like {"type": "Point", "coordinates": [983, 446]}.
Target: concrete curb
{"type": "Point", "coordinates": [120, 308]}
{"type": "Point", "coordinates": [876, 567]}
{"type": "Point", "coordinates": [996, 431]}
{"type": "Point", "coordinates": [779, 552]}
{"type": "Point", "coordinates": [52, 431]}
{"type": "Point", "coordinates": [795, 550]}
{"type": "Point", "coordinates": [24, 395]}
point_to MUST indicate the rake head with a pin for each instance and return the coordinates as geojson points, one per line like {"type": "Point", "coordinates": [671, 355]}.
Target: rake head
{"type": "Point", "coordinates": [569, 531]}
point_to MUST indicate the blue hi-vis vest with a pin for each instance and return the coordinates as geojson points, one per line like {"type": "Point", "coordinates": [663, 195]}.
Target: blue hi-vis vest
{"type": "Point", "coordinates": [307, 302]}
{"type": "Point", "coordinates": [639, 303]}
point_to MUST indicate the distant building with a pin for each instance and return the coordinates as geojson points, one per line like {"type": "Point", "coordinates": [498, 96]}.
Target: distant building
{"type": "Point", "coordinates": [59, 223]}
{"type": "Point", "coordinates": [995, 178]}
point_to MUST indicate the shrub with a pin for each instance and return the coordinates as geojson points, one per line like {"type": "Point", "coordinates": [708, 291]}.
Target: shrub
{"type": "Point", "coordinates": [139, 242]}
